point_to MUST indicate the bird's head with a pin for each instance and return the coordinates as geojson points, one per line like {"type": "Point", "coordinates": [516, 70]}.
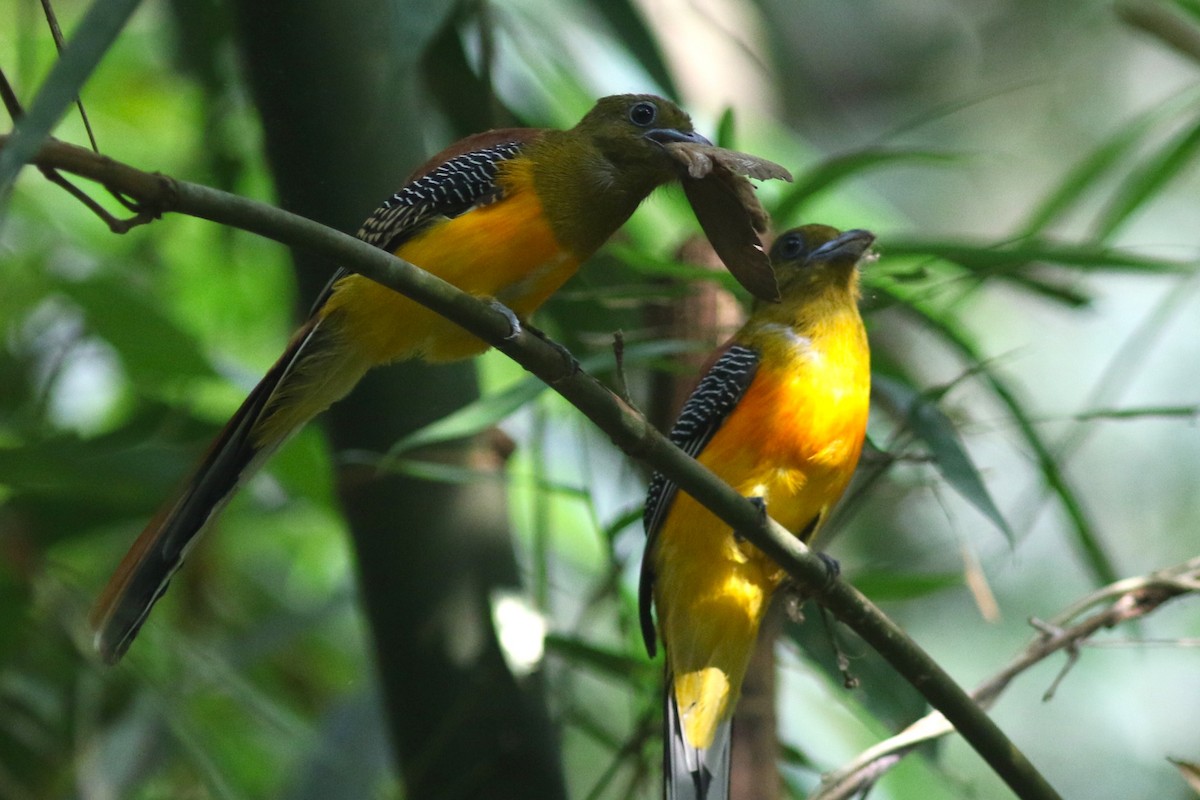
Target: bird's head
{"type": "Point", "coordinates": [811, 256]}
{"type": "Point", "coordinates": [629, 130]}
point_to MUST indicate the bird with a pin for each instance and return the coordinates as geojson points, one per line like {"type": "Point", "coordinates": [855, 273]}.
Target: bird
{"type": "Point", "coordinates": [780, 415]}
{"type": "Point", "coordinates": [507, 215]}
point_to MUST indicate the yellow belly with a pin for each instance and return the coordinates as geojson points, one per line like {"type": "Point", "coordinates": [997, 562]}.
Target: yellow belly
{"type": "Point", "coordinates": [793, 444]}
{"type": "Point", "coordinates": [504, 251]}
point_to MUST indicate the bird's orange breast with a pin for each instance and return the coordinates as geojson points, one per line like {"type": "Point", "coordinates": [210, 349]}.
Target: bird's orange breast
{"type": "Point", "coordinates": [505, 250]}
{"type": "Point", "coordinates": [793, 440]}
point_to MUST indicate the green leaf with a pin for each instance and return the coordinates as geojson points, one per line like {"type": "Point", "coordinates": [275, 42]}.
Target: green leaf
{"type": "Point", "coordinates": [987, 257]}
{"type": "Point", "coordinates": [1081, 180]}
{"type": "Point", "coordinates": [1016, 262]}
{"type": "Point", "coordinates": [485, 412]}
{"type": "Point", "coordinates": [603, 660]}
{"type": "Point", "coordinates": [725, 129]}
{"type": "Point", "coordinates": [847, 165]}
{"type": "Point", "coordinates": [636, 36]}
{"type": "Point", "coordinates": [1149, 180]}
{"type": "Point", "coordinates": [930, 424]}
{"type": "Point", "coordinates": [884, 587]}
{"type": "Point", "coordinates": [152, 347]}
{"type": "Point", "coordinates": [82, 52]}
{"type": "Point", "coordinates": [414, 25]}
{"type": "Point", "coordinates": [958, 340]}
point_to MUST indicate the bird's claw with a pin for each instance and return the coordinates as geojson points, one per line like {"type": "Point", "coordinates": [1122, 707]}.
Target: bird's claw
{"type": "Point", "coordinates": [761, 505]}
{"type": "Point", "coordinates": [832, 568]}
{"type": "Point", "coordinates": [514, 324]}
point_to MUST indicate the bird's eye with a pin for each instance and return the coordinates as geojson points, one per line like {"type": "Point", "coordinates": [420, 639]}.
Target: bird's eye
{"type": "Point", "coordinates": [791, 246]}
{"type": "Point", "coordinates": [643, 114]}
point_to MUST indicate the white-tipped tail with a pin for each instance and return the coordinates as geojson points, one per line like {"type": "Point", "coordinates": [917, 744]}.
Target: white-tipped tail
{"type": "Point", "coordinates": [693, 773]}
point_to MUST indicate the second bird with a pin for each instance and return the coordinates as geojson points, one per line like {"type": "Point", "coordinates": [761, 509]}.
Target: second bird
{"type": "Point", "coordinates": [780, 416]}
{"type": "Point", "coordinates": [507, 215]}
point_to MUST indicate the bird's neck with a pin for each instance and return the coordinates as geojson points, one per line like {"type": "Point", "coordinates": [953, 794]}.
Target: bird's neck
{"type": "Point", "coordinates": [826, 316]}
{"type": "Point", "coordinates": [585, 196]}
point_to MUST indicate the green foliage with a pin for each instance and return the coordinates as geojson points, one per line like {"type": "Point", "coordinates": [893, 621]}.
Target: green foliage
{"type": "Point", "coordinates": [1020, 232]}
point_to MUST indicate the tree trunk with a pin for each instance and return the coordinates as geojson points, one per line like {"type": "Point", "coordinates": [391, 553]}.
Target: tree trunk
{"type": "Point", "coordinates": [342, 131]}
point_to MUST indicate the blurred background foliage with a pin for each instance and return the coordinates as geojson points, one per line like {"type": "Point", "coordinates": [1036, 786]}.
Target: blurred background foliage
{"type": "Point", "coordinates": [1030, 170]}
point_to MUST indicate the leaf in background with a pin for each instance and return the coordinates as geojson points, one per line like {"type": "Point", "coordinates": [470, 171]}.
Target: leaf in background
{"type": "Point", "coordinates": [1190, 772]}
{"type": "Point", "coordinates": [839, 168]}
{"type": "Point", "coordinates": [1094, 555]}
{"type": "Point", "coordinates": [636, 37]}
{"type": "Point", "coordinates": [726, 126]}
{"type": "Point", "coordinates": [74, 485]}
{"type": "Point", "coordinates": [153, 348]}
{"type": "Point", "coordinates": [1015, 262]}
{"type": "Point", "coordinates": [616, 664]}
{"type": "Point", "coordinates": [1191, 7]}
{"type": "Point", "coordinates": [1149, 180]}
{"type": "Point", "coordinates": [989, 257]}
{"type": "Point", "coordinates": [481, 414]}
{"type": "Point", "coordinates": [1084, 176]}
{"type": "Point", "coordinates": [88, 43]}
{"type": "Point", "coordinates": [935, 429]}
{"type": "Point", "coordinates": [413, 26]}
{"type": "Point", "coordinates": [884, 587]}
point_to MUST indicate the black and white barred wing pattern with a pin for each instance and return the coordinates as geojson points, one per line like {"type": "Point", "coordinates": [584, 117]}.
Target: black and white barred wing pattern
{"type": "Point", "coordinates": [452, 188]}
{"type": "Point", "coordinates": [702, 415]}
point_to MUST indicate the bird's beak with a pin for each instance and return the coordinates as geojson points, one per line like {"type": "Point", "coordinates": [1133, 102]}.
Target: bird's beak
{"type": "Point", "coordinates": [668, 135]}
{"type": "Point", "coordinates": [850, 246]}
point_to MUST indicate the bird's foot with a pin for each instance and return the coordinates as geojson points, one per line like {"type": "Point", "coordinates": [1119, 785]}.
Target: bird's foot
{"type": "Point", "coordinates": [514, 324]}
{"type": "Point", "coordinates": [832, 568]}
{"type": "Point", "coordinates": [760, 504]}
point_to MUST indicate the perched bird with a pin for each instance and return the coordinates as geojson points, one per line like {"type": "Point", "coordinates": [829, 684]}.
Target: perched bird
{"type": "Point", "coordinates": [506, 215]}
{"type": "Point", "coordinates": [780, 416]}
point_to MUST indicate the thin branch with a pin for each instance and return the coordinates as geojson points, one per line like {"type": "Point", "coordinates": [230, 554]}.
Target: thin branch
{"type": "Point", "coordinates": [625, 426]}
{"type": "Point", "coordinates": [1126, 600]}
{"type": "Point", "coordinates": [56, 33]}
{"type": "Point", "coordinates": [15, 110]}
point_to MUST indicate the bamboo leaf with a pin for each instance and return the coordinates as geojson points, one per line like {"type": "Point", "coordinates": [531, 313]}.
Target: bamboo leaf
{"type": "Point", "coordinates": [847, 165]}
{"type": "Point", "coordinates": [890, 586]}
{"type": "Point", "coordinates": [83, 51]}
{"type": "Point", "coordinates": [635, 35]}
{"type": "Point", "coordinates": [1149, 180]}
{"type": "Point", "coordinates": [1094, 555]}
{"type": "Point", "coordinates": [1084, 176]}
{"type": "Point", "coordinates": [487, 411]}
{"type": "Point", "coordinates": [931, 425]}
{"type": "Point", "coordinates": [609, 662]}
{"type": "Point", "coordinates": [990, 257]}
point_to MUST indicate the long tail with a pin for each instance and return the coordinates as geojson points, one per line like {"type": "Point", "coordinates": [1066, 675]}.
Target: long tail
{"type": "Point", "coordinates": [310, 375]}
{"type": "Point", "coordinates": [693, 773]}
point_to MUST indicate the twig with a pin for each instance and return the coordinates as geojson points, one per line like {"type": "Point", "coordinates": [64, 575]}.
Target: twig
{"type": "Point", "coordinates": [56, 34]}
{"type": "Point", "coordinates": [627, 428]}
{"type": "Point", "coordinates": [1127, 600]}
{"type": "Point", "coordinates": [15, 110]}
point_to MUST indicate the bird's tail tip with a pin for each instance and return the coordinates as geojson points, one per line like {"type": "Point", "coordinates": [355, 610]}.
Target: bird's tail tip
{"type": "Point", "coordinates": [689, 772]}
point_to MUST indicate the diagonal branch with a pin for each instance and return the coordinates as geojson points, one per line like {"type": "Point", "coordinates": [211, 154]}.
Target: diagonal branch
{"type": "Point", "coordinates": [1129, 599]}
{"type": "Point", "coordinates": [628, 429]}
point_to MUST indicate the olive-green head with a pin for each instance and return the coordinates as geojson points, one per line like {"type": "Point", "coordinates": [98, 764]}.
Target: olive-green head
{"type": "Point", "coordinates": [591, 178]}
{"type": "Point", "coordinates": [811, 256]}
{"type": "Point", "coordinates": [630, 130]}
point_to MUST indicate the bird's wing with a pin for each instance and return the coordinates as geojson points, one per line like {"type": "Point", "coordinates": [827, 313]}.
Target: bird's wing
{"type": "Point", "coordinates": [456, 180]}
{"type": "Point", "coordinates": [702, 415]}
